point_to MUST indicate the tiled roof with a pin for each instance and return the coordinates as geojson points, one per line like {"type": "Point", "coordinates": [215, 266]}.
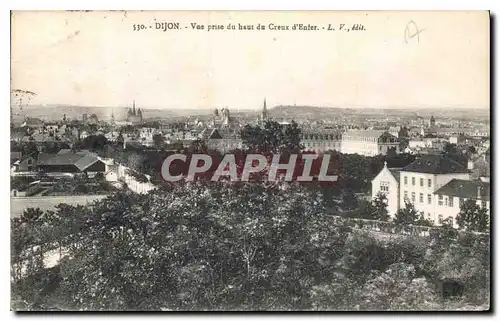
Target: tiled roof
{"type": "Point", "coordinates": [466, 189]}
{"type": "Point", "coordinates": [434, 164]}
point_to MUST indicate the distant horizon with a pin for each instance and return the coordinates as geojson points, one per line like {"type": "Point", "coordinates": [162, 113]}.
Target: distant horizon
{"type": "Point", "coordinates": [408, 108]}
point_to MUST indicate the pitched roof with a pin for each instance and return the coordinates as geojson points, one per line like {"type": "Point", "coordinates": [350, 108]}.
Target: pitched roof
{"type": "Point", "coordinates": [85, 162]}
{"type": "Point", "coordinates": [466, 189]}
{"type": "Point", "coordinates": [210, 134]}
{"type": "Point", "coordinates": [434, 164]}
{"type": "Point", "coordinates": [59, 159]}
{"type": "Point", "coordinates": [395, 172]}
{"type": "Point", "coordinates": [81, 160]}
{"type": "Point", "coordinates": [43, 157]}
{"type": "Point", "coordinates": [364, 133]}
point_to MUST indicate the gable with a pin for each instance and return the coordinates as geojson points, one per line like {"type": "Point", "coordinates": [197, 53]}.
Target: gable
{"type": "Point", "coordinates": [215, 135]}
{"type": "Point", "coordinates": [385, 175]}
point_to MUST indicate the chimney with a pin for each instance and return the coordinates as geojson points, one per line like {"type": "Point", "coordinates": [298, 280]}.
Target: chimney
{"type": "Point", "coordinates": [479, 191]}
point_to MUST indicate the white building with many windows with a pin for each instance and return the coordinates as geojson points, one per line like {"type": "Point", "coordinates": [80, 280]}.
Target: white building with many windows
{"type": "Point", "coordinates": [368, 142]}
{"type": "Point", "coordinates": [434, 184]}
{"type": "Point", "coordinates": [424, 176]}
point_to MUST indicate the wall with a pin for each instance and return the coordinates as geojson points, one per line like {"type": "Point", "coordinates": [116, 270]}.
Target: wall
{"type": "Point", "coordinates": [437, 181]}
{"type": "Point", "coordinates": [132, 183]}
{"type": "Point", "coordinates": [446, 210]}
{"type": "Point", "coordinates": [424, 206]}
{"type": "Point", "coordinates": [393, 194]}
{"type": "Point", "coordinates": [321, 145]}
{"type": "Point", "coordinates": [361, 147]}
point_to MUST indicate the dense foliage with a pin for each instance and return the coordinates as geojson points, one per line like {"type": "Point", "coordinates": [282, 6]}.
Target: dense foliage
{"type": "Point", "coordinates": [246, 246]}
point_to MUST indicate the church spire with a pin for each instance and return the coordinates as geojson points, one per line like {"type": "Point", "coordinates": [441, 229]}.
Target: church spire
{"type": "Point", "coordinates": [133, 108]}
{"type": "Point", "coordinates": [264, 111]}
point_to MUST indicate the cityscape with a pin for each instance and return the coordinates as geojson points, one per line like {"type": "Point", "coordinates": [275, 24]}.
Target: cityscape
{"type": "Point", "coordinates": [436, 165]}
{"type": "Point", "coordinates": [95, 226]}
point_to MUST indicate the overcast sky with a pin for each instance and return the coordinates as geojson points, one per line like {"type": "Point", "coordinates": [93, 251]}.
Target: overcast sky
{"type": "Point", "coordinates": [96, 59]}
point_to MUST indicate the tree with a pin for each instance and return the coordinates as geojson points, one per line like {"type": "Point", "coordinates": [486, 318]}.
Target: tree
{"type": "Point", "coordinates": [158, 140]}
{"type": "Point", "coordinates": [383, 290]}
{"type": "Point", "coordinates": [99, 177]}
{"type": "Point", "coordinates": [403, 136]}
{"type": "Point", "coordinates": [472, 217]}
{"type": "Point", "coordinates": [407, 215]}
{"type": "Point", "coordinates": [349, 200]}
{"type": "Point", "coordinates": [452, 152]}
{"type": "Point", "coordinates": [26, 148]}
{"type": "Point", "coordinates": [120, 139]}
{"type": "Point", "coordinates": [243, 246]}
{"type": "Point", "coordinates": [271, 137]}
{"type": "Point", "coordinates": [391, 152]}
{"type": "Point", "coordinates": [291, 141]}
{"type": "Point", "coordinates": [374, 210]}
{"type": "Point", "coordinates": [198, 146]}
{"type": "Point", "coordinates": [93, 143]}
{"type": "Point", "coordinates": [422, 221]}
{"type": "Point", "coordinates": [380, 207]}
{"type": "Point", "coordinates": [471, 150]}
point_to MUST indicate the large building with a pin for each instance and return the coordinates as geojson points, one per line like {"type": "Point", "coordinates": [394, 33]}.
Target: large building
{"type": "Point", "coordinates": [431, 183]}
{"type": "Point", "coordinates": [65, 161]}
{"type": "Point", "coordinates": [134, 116]}
{"type": "Point", "coordinates": [320, 140]}
{"type": "Point", "coordinates": [221, 118]}
{"type": "Point", "coordinates": [368, 142]}
{"type": "Point", "coordinates": [220, 140]}
{"type": "Point", "coordinates": [420, 179]}
{"type": "Point", "coordinates": [93, 120]}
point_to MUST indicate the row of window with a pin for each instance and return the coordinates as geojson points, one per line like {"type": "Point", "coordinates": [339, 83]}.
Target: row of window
{"type": "Point", "coordinates": [442, 201]}
{"type": "Point", "coordinates": [384, 186]}
{"type": "Point", "coordinates": [421, 197]}
{"type": "Point", "coordinates": [447, 201]}
{"type": "Point", "coordinates": [413, 181]}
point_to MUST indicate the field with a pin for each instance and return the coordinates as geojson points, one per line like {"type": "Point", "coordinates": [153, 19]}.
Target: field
{"type": "Point", "coordinates": [19, 204]}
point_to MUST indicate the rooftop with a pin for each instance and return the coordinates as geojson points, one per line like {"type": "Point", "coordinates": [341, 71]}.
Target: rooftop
{"type": "Point", "coordinates": [466, 189]}
{"type": "Point", "coordinates": [364, 133]}
{"type": "Point", "coordinates": [435, 164]}
{"type": "Point", "coordinates": [81, 160]}
{"type": "Point", "coordinates": [395, 172]}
